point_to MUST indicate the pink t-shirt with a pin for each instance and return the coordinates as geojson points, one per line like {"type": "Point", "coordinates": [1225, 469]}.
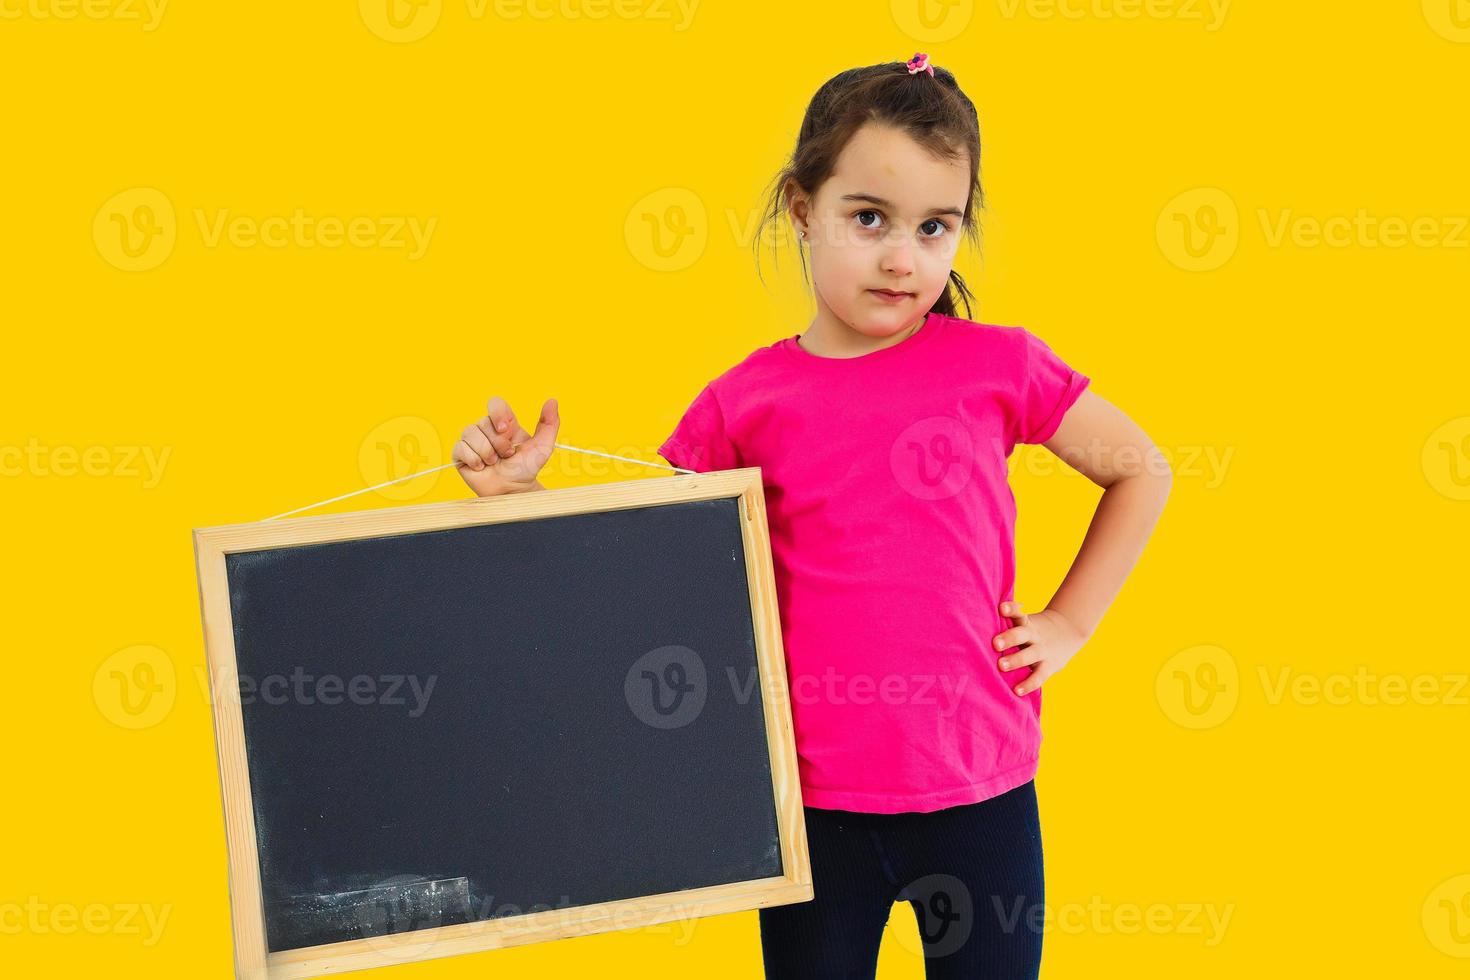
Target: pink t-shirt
{"type": "Point", "coordinates": [892, 537]}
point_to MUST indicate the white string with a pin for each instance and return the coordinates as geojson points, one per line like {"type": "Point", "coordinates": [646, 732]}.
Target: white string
{"type": "Point", "coordinates": [445, 466]}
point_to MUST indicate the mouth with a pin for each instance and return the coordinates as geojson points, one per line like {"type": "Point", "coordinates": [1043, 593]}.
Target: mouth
{"type": "Point", "coordinates": [890, 295]}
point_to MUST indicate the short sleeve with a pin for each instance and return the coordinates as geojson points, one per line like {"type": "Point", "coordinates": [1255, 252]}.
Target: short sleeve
{"type": "Point", "coordinates": [700, 442]}
{"type": "Point", "coordinates": [1051, 387]}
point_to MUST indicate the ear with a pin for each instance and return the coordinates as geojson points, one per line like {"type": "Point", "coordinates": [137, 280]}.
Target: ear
{"type": "Point", "coordinates": [798, 207]}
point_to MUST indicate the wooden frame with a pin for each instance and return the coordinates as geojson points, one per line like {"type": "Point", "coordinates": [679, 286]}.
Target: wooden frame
{"type": "Point", "coordinates": [252, 959]}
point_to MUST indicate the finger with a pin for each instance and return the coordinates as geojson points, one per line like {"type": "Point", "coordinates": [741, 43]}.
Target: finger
{"type": "Point", "coordinates": [500, 426]}
{"type": "Point", "coordinates": [474, 437]}
{"type": "Point", "coordinates": [466, 456]}
{"type": "Point", "coordinates": [1012, 608]}
{"type": "Point", "coordinates": [1039, 674]}
{"type": "Point", "coordinates": [547, 426]}
{"type": "Point", "coordinates": [500, 442]}
{"type": "Point", "coordinates": [1014, 637]}
{"type": "Point", "coordinates": [1021, 658]}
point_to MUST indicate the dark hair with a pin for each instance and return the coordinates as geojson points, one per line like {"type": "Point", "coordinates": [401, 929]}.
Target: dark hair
{"type": "Point", "coordinates": [934, 112]}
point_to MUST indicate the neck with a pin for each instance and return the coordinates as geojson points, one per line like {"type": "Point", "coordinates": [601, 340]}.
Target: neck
{"type": "Point", "coordinates": [829, 336]}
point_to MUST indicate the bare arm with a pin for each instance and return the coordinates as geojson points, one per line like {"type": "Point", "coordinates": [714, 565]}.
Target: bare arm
{"type": "Point", "coordinates": [1105, 445]}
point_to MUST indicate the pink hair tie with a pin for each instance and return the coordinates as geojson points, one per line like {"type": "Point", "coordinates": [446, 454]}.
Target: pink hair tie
{"type": "Point", "coordinates": [920, 62]}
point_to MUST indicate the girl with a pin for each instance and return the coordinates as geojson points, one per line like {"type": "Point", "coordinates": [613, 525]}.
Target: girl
{"type": "Point", "coordinates": [882, 433]}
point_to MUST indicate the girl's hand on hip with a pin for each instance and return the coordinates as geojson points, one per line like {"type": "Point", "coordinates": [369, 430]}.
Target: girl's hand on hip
{"type": "Point", "coordinates": [1046, 639]}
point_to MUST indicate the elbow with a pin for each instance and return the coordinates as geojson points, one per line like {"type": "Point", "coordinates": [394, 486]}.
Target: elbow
{"type": "Point", "coordinates": [1161, 474]}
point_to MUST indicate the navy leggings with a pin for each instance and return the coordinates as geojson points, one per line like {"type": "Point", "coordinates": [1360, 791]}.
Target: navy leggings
{"type": "Point", "coordinates": [972, 872]}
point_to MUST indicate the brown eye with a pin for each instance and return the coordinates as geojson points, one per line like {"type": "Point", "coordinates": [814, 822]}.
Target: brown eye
{"type": "Point", "coordinates": [860, 214]}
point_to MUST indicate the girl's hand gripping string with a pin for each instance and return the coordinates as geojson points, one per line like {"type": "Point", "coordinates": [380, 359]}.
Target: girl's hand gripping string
{"type": "Point", "coordinates": [1046, 639]}
{"type": "Point", "coordinates": [497, 455]}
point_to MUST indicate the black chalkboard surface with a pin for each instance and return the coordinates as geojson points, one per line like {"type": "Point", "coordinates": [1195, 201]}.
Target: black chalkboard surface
{"type": "Point", "coordinates": [467, 725]}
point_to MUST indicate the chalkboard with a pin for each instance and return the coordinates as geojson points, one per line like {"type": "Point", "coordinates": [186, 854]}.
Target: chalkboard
{"type": "Point", "coordinates": [453, 727]}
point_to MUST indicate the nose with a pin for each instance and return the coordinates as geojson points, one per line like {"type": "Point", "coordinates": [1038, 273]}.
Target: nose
{"type": "Point", "coordinates": [898, 256]}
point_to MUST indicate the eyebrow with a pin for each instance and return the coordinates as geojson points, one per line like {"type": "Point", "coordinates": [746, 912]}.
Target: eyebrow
{"type": "Point", "coordinates": [872, 199]}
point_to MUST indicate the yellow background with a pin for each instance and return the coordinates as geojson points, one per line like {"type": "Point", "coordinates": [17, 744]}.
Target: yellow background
{"type": "Point", "coordinates": [593, 178]}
